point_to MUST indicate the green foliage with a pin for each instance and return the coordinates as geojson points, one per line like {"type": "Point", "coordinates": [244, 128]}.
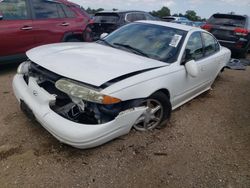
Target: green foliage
{"type": "Point", "coordinates": [191, 15]}
{"type": "Point", "coordinates": [93, 11]}
{"type": "Point", "coordinates": [164, 11]}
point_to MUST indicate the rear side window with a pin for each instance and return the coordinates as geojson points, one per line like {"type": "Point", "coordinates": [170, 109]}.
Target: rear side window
{"type": "Point", "coordinates": [106, 18]}
{"type": "Point", "coordinates": [140, 16]}
{"type": "Point", "coordinates": [132, 17]}
{"type": "Point", "coordinates": [194, 48]}
{"type": "Point", "coordinates": [44, 9]}
{"type": "Point", "coordinates": [150, 17]}
{"type": "Point", "coordinates": [69, 13]}
{"type": "Point", "coordinates": [211, 45]}
{"type": "Point", "coordinates": [228, 20]}
{"type": "Point", "coordinates": [14, 10]}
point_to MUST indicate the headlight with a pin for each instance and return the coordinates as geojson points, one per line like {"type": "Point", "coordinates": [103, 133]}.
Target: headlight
{"type": "Point", "coordinates": [76, 90]}
{"type": "Point", "coordinates": [23, 68]}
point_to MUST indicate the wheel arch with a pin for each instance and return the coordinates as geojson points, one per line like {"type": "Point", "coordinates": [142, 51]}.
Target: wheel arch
{"type": "Point", "coordinates": [164, 91]}
{"type": "Point", "coordinates": [70, 35]}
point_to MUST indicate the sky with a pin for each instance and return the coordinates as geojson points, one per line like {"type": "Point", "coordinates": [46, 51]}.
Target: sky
{"type": "Point", "coordinates": [204, 8]}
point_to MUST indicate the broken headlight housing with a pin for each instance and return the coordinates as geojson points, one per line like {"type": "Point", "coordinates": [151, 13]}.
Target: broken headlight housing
{"type": "Point", "coordinates": [80, 91]}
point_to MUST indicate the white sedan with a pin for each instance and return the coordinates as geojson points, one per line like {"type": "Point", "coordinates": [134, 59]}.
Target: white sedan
{"type": "Point", "coordinates": [86, 94]}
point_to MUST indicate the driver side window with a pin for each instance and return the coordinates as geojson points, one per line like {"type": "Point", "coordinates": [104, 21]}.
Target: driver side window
{"type": "Point", "coordinates": [194, 48]}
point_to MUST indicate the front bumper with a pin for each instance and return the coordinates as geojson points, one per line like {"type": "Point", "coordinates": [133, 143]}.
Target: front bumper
{"type": "Point", "coordinates": [71, 133]}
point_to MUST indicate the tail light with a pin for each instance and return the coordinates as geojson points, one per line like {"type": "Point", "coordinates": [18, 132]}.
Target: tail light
{"type": "Point", "coordinates": [241, 31]}
{"type": "Point", "coordinates": [91, 21]}
{"type": "Point", "coordinates": [207, 27]}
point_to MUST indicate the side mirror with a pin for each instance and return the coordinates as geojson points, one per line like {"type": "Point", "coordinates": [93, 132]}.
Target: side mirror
{"type": "Point", "coordinates": [192, 68]}
{"type": "Point", "coordinates": [103, 35]}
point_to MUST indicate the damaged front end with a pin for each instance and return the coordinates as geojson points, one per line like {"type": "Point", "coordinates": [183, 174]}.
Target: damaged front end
{"type": "Point", "coordinates": [75, 101]}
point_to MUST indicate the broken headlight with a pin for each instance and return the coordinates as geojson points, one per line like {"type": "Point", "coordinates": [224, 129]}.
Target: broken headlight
{"type": "Point", "coordinates": [82, 92]}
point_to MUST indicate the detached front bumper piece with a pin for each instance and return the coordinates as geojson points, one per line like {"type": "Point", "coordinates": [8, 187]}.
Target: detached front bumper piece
{"type": "Point", "coordinates": [83, 136]}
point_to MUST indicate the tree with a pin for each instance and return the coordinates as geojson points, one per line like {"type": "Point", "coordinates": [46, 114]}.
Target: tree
{"type": "Point", "coordinates": [164, 11]}
{"type": "Point", "coordinates": [93, 11]}
{"type": "Point", "coordinates": [191, 15]}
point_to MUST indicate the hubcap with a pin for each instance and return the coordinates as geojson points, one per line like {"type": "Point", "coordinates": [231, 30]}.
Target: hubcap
{"type": "Point", "coordinates": [151, 117]}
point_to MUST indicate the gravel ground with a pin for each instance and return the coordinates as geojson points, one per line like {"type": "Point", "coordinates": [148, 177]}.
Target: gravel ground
{"type": "Point", "coordinates": [206, 144]}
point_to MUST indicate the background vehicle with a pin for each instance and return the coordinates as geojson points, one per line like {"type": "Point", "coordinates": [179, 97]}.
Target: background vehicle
{"type": "Point", "coordinates": [198, 24]}
{"type": "Point", "coordinates": [133, 77]}
{"type": "Point", "coordinates": [232, 31]}
{"type": "Point", "coordinates": [108, 21]}
{"type": "Point", "coordinates": [184, 22]}
{"type": "Point", "coordinates": [174, 18]}
{"type": "Point", "coordinates": [179, 20]}
{"type": "Point", "coordinates": [25, 24]}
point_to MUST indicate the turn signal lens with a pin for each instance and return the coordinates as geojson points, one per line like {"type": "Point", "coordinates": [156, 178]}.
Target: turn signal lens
{"type": "Point", "coordinates": [110, 100]}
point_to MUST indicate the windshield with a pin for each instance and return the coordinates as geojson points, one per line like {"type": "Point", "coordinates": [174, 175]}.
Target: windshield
{"type": "Point", "coordinates": [153, 41]}
{"type": "Point", "coordinates": [106, 18]}
{"type": "Point", "coordinates": [228, 20]}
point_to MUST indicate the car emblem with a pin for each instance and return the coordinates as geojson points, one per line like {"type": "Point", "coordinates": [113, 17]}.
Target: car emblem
{"type": "Point", "coordinates": [35, 93]}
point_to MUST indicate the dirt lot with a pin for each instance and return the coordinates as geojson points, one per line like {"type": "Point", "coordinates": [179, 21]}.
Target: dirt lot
{"type": "Point", "coordinates": [206, 144]}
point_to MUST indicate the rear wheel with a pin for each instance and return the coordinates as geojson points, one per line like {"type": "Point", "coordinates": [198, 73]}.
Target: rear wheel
{"type": "Point", "coordinates": [158, 110]}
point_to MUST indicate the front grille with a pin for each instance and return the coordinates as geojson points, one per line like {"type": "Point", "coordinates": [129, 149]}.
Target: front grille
{"type": "Point", "coordinates": [46, 80]}
{"type": "Point", "coordinates": [43, 74]}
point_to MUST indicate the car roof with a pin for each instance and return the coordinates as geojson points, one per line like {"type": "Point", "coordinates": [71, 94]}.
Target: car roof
{"type": "Point", "coordinates": [66, 2]}
{"type": "Point", "coordinates": [171, 24]}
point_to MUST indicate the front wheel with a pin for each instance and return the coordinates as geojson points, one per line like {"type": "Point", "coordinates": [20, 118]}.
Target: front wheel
{"type": "Point", "coordinates": [73, 40]}
{"type": "Point", "coordinates": [158, 110]}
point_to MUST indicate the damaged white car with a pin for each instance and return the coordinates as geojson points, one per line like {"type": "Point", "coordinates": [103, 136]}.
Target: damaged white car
{"type": "Point", "coordinates": [86, 94]}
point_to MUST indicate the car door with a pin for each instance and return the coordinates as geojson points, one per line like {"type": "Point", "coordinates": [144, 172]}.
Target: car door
{"type": "Point", "coordinates": [15, 28]}
{"type": "Point", "coordinates": [211, 66]}
{"type": "Point", "coordinates": [186, 86]}
{"type": "Point", "coordinates": [49, 23]}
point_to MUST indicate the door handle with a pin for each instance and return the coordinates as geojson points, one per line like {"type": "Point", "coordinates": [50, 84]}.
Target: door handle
{"type": "Point", "coordinates": [26, 28]}
{"type": "Point", "coordinates": [65, 24]}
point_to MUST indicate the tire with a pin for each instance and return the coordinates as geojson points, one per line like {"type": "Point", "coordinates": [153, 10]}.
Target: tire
{"type": "Point", "coordinates": [244, 54]}
{"type": "Point", "coordinates": [87, 35]}
{"type": "Point", "coordinates": [73, 40]}
{"type": "Point", "coordinates": [159, 110]}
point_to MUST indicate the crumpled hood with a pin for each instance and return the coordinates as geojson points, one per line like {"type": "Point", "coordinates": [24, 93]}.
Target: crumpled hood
{"type": "Point", "coordinates": [90, 63]}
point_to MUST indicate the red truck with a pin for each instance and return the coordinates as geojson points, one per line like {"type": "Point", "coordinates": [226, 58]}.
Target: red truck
{"type": "Point", "coordinates": [25, 24]}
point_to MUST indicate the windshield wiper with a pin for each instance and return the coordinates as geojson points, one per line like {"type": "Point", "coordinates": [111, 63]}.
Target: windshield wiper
{"type": "Point", "coordinates": [106, 42]}
{"type": "Point", "coordinates": [131, 48]}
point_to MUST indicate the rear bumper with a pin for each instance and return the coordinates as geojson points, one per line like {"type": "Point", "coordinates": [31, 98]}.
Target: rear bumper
{"type": "Point", "coordinates": [71, 133]}
{"type": "Point", "coordinates": [235, 46]}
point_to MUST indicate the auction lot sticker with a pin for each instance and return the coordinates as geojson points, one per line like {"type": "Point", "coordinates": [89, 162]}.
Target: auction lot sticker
{"type": "Point", "coordinates": [175, 40]}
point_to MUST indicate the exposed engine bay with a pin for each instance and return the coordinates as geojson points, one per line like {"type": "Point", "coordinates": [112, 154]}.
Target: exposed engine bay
{"type": "Point", "coordinates": [73, 108]}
